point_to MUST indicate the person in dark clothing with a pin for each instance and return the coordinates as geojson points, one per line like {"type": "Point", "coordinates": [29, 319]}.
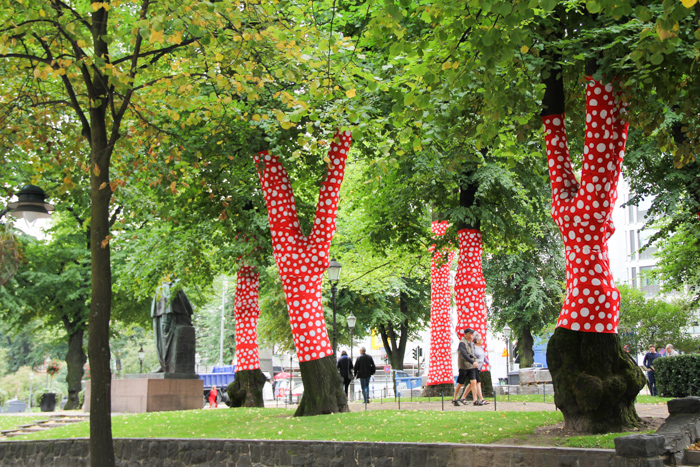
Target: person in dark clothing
{"type": "Point", "coordinates": [467, 365]}
{"type": "Point", "coordinates": [364, 369]}
{"type": "Point", "coordinates": [649, 365]}
{"type": "Point", "coordinates": [345, 369]}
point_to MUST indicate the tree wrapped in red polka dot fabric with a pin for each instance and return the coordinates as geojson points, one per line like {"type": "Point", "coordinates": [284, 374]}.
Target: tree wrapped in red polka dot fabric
{"type": "Point", "coordinates": [583, 211]}
{"type": "Point", "coordinates": [246, 389]}
{"type": "Point", "coordinates": [440, 361]}
{"type": "Point", "coordinates": [301, 262]}
{"type": "Point", "coordinates": [470, 286]}
{"type": "Point", "coordinates": [246, 311]}
{"type": "Point", "coordinates": [595, 381]}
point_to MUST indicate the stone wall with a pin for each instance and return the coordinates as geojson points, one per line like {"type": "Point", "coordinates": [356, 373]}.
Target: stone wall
{"type": "Point", "coordinates": [182, 452]}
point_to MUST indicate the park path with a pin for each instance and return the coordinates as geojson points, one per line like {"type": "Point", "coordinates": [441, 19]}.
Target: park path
{"type": "Point", "coordinates": [643, 410]}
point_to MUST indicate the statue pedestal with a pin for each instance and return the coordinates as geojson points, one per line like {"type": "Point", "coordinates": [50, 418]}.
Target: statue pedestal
{"type": "Point", "coordinates": [154, 392]}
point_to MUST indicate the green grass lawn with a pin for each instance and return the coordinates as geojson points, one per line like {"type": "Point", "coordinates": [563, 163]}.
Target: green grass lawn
{"type": "Point", "coordinates": [389, 426]}
{"type": "Point", "coordinates": [418, 426]}
{"type": "Point", "coordinates": [8, 422]}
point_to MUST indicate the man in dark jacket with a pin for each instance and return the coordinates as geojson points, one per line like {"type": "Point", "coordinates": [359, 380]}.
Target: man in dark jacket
{"type": "Point", "coordinates": [649, 365]}
{"type": "Point", "coordinates": [345, 369]}
{"type": "Point", "coordinates": [364, 369]}
{"type": "Point", "coordinates": [466, 363]}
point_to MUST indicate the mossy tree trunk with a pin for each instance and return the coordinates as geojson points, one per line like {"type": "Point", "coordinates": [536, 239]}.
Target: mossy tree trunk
{"type": "Point", "coordinates": [247, 389]}
{"type": "Point", "coordinates": [526, 348]}
{"type": "Point", "coordinates": [75, 360]}
{"type": "Point", "coordinates": [437, 390]}
{"type": "Point", "coordinates": [595, 381]}
{"type": "Point", "coordinates": [323, 388]}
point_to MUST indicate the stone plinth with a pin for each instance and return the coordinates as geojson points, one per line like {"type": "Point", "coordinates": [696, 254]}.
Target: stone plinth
{"type": "Point", "coordinates": [153, 393]}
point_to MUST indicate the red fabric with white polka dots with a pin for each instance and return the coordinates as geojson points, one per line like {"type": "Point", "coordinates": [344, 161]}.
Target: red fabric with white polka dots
{"type": "Point", "coordinates": [470, 286]}
{"type": "Point", "coordinates": [584, 213]}
{"type": "Point", "coordinates": [301, 260]}
{"type": "Point", "coordinates": [246, 311]}
{"type": "Point", "coordinates": [440, 362]}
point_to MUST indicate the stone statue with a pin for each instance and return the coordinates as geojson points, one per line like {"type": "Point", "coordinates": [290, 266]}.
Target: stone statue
{"type": "Point", "coordinates": [173, 331]}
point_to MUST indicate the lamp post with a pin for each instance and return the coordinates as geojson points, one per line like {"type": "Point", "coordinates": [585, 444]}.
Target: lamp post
{"type": "Point", "coordinates": [141, 355]}
{"type": "Point", "coordinates": [31, 380]}
{"type": "Point", "coordinates": [506, 330]}
{"type": "Point", "coordinates": [221, 337]}
{"type": "Point", "coordinates": [334, 276]}
{"type": "Point", "coordinates": [46, 367]}
{"type": "Point", "coordinates": [31, 205]}
{"type": "Point", "coordinates": [351, 324]}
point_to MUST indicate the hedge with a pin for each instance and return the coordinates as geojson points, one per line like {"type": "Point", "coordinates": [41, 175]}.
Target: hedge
{"type": "Point", "coordinates": [678, 376]}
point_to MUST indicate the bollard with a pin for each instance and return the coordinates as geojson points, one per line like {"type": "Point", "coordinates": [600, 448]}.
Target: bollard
{"type": "Point", "coordinates": [399, 394]}
{"type": "Point", "coordinates": [442, 395]}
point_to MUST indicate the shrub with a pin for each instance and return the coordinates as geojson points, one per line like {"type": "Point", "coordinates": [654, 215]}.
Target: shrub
{"type": "Point", "coordinates": [4, 397]}
{"type": "Point", "coordinates": [41, 391]}
{"type": "Point", "coordinates": [678, 376]}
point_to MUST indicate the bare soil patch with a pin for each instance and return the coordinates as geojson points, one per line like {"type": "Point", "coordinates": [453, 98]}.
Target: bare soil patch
{"type": "Point", "coordinates": [555, 435]}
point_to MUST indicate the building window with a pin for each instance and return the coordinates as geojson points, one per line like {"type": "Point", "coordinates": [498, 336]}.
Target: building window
{"type": "Point", "coordinates": [632, 244]}
{"type": "Point", "coordinates": [630, 213]}
{"type": "Point", "coordinates": [643, 239]}
{"type": "Point", "coordinates": [648, 284]}
{"type": "Point", "coordinates": [633, 277]}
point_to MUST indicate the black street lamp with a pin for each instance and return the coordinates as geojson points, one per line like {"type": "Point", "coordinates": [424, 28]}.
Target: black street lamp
{"type": "Point", "coordinates": [507, 330]}
{"type": "Point", "coordinates": [31, 205]}
{"type": "Point", "coordinates": [334, 276]}
{"type": "Point", "coordinates": [141, 354]}
{"type": "Point", "coordinates": [351, 324]}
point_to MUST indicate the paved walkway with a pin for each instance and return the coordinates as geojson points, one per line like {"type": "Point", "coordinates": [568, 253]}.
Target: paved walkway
{"type": "Point", "coordinates": [644, 410]}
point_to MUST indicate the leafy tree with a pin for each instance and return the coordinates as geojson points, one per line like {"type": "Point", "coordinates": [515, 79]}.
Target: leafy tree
{"type": "Point", "coordinates": [655, 321]}
{"type": "Point", "coordinates": [527, 288]}
{"type": "Point", "coordinates": [674, 190]}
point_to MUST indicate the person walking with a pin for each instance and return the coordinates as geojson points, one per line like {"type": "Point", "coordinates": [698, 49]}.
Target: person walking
{"type": "Point", "coordinates": [212, 398]}
{"type": "Point", "coordinates": [364, 369]}
{"type": "Point", "coordinates": [670, 351]}
{"type": "Point", "coordinates": [466, 363]}
{"type": "Point", "coordinates": [345, 369]}
{"type": "Point", "coordinates": [649, 365]}
{"type": "Point", "coordinates": [481, 358]}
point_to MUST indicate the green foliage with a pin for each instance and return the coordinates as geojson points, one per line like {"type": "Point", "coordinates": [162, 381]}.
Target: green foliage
{"type": "Point", "coordinates": [57, 389]}
{"type": "Point", "coordinates": [527, 286]}
{"type": "Point", "coordinates": [678, 376]}
{"type": "Point", "coordinates": [644, 321]}
{"type": "Point", "coordinates": [16, 384]}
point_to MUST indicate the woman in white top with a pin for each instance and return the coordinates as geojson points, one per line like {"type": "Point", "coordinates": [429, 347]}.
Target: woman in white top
{"type": "Point", "coordinates": [481, 359]}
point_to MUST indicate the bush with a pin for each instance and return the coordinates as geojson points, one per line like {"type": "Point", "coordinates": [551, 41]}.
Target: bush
{"type": "Point", "coordinates": [39, 393]}
{"type": "Point", "coordinates": [678, 376]}
{"type": "Point", "coordinates": [4, 397]}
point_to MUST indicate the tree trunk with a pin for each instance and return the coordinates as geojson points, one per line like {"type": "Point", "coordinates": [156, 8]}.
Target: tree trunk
{"type": "Point", "coordinates": [247, 389]}
{"type": "Point", "coordinates": [595, 380]}
{"type": "Point", "coordinates": [101, 445]}
{"type": "Point", "coordinates": [526, 348]}
{"type": "Point", "coordinates": [323, 388]}
{"type": "Point", "coordinates": [395, 347]}
{"type": "Point", "coordinates": [440, 356]}
{"type": "Point", "coordinates": [301, 262]}
{"type": "Point", "coordinates": [75, 360]}
{"type": "Point", "coordinates": [437, 390]}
